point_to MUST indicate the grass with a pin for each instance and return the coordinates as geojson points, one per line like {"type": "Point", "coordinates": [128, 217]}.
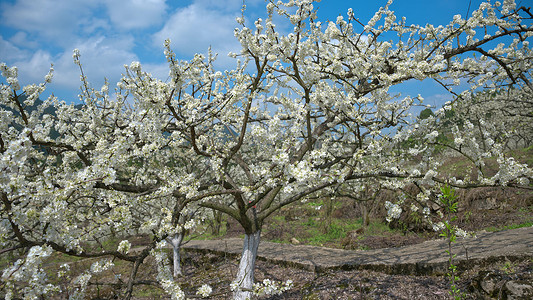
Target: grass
{"type": "Point", "coordinates": [339, 229]}
{"type": "Point", "coordinates": [526, 212]}
{"type": "Point", "coordinates": [508, 227]}
{"type": "Point", "coordinates": [310, 223]}
{"type": "Point", "coordinates": [313, 222]}
{"type": "Point", "coordinates": [309, 228]}
{"type": "Point", "coordinates": [335, 232]}
{"type": "Point", "coordinates": [524, 155]}
{"type": "Point", "coordinates": [314, 228]}
{"type": "Point", "coordinates": [508, 267]}
{"type": "Point", "coordinates": [461, 166]}
{"type": "Point", "coordinates": [204, 233]}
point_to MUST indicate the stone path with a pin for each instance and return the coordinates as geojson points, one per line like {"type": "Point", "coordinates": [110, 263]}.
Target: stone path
{"type": "Point", "coordinates": [427, 258]}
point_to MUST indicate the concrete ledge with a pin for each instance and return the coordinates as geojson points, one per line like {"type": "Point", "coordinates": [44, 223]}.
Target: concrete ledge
{"type": "Point", "coordinates": [428, 258]}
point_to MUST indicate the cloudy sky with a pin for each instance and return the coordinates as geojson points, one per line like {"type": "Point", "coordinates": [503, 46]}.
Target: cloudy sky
{"type": "Point", "coordinates": [111, 33]}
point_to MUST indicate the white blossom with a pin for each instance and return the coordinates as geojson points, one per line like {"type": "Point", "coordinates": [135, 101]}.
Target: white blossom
{"type": "Point", "coordinates": [124, 246]}
{"type": "Point", "coordinates": [204, 291]}
{"type": "Point", "coordinates": [438, 227]}
{"type": "Point", "coordinates": [393, 211]}
{"type": "Point", "coordinates": [306, 110]}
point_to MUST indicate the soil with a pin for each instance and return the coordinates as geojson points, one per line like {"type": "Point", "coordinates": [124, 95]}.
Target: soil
{"type": "Point", "coordinates": [219, 271]}
{"type": "Point", "coordinates": [505, 208]}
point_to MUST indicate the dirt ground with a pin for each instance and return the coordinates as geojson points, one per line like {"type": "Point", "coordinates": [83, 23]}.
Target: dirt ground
{"type": "Point", "coordinates": [364, 284]}
{"type": "Point", "coordinates": [480, 209]}
{"type": "Point", "coordinates": [218, 271]}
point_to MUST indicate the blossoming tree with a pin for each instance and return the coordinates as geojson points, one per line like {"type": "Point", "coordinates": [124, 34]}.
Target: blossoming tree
{"type": "Point", "coordinates": [75, 176]}
{"type": "Point", "coordinates": [302, 113]}
{"type": "Point", "coordinates": [329, 117]}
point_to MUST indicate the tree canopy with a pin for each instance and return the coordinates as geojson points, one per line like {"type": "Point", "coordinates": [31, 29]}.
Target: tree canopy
{"type": "Point", "coordinates": [302, 113]}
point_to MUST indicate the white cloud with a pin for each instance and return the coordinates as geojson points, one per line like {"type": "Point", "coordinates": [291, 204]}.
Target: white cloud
{"type": "Point", "coordinates": [55, 20]}
{"type": "Point", "coordinates": [46, 31]}
{"type": "Point", "coordinates": [32, 67]}
{"type": "Point", "coordinates": [59, 21]}
{"type": "Point", "coordinates": [133, 14]}
{"type": "Point", "coordinates": [222, 5]}
{"type": "Point", "coordinates": [111, 33]}
{"type": "Point", "coordinates": [9, 51]}
{"type": "Point", "coordinates": [101, 58]}
{"type": "Point", "coordinates": [22, 39]}
{"type": "Point", "coordinates": [196, 27]}
{"type": "Point", "coordinates": [160, 71]}
{"type": "Point", "coordinates": [38, 66]}
{"type": "Point", "coordinates": [91, 25]}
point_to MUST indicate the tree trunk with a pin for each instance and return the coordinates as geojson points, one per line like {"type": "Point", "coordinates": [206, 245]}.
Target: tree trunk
{"type": "Point", "coordinates": [245, 276]}
{"type": "Point", "coordinates": [366, 219]}
{"type": "Point", "coordinates": [216, 223]}
{"type": "Point", "coordinates": [175, 241]}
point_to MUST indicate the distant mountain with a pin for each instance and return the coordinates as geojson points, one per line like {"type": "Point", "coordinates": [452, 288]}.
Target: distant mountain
{"type": "Point", "coordinates": [30, 109]}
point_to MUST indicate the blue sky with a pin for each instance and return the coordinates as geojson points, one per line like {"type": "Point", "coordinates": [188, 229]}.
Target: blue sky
{"type": "Point", "coordinates": [111, 33]}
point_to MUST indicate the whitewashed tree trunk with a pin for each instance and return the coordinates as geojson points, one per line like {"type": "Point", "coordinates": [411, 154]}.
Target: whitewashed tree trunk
{"type": "Point", "coordinates": [175, 241]}
{"type": "Point", "coordinates": [245, 276]}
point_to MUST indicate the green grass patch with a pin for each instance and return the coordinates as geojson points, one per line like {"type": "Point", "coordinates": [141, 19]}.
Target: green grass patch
{"type": "Point", "coordinates": [320, 231]}
{"type": "Point", "coordinates": [524, 155]}
{"type": "Point", "coordinates": [204, 232]}
{"type": "Point", "coordinates": [335, 232]}
{"type": "Point", "coordinates": [508, 227]}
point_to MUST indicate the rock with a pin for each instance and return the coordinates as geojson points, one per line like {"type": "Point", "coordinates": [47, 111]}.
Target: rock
{"type": "Point", "coordinates": [294, 241]}
{"type": "Point", "coordinates": [499, 284]}
{"type": "Point", "coordinates": [489, 283]}
{"type": "Point", "coordinates": [486, 204]}
{"type": "Point", "coordinates": [518, 290]}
